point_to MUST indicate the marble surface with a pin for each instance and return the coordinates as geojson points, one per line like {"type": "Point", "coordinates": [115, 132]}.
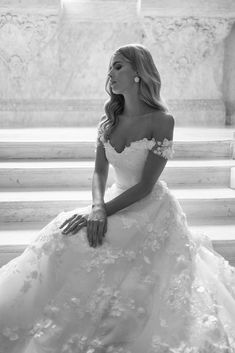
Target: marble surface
{"type": "Point", "coordinates": [61, 50]}
{"type": "Point", "coordinates": [189, 7]}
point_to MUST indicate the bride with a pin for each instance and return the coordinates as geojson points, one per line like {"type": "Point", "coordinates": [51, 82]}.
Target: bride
{"type": "Point", "coordinates": [123, 275]}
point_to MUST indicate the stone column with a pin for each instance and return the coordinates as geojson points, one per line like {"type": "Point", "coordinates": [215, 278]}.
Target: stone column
{"type": "Point", "coordinates": [229, 77]}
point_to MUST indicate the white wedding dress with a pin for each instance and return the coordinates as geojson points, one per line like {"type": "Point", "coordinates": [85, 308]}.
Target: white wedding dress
{"type": "Point", "coordinates": [152, 287]}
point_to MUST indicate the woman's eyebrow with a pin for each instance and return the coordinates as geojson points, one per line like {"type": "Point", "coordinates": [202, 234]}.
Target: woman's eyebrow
{"type": "Point", "coordinates": [117, 62]}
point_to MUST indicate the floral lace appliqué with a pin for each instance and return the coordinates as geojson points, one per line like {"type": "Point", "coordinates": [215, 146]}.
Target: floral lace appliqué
{"type": "Point", "coordinates": [163, 149]}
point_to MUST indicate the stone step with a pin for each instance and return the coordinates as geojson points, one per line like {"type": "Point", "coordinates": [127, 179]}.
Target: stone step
{"type": "Point", "coordinates": [62, 173]}
{"type": "Point", "coordinates": [42, 143]}
{"type": "Point", "coordinates": [34, 205]}
{"type": "Point", "coordinates": [37, 204]}
{"type": "Point", "coordinates": [14, 238]}
{"type": "Point", "coordinates": [86, 149]}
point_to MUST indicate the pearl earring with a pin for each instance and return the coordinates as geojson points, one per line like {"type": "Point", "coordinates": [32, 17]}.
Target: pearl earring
{"type": "Point", "coordinates": [137, 79]}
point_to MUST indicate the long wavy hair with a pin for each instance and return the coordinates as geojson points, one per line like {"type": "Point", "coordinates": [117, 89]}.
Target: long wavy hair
{"type": "Point", "coordinates": [149, 86]}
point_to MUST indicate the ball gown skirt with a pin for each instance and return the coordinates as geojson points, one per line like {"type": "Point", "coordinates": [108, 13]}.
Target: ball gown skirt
{"type": "Point", "coordinates": [152, 287]}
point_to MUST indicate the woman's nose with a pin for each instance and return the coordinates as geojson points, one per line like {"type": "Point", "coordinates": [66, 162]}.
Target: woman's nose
{"type": "Point", "coordinates": [110, 74]}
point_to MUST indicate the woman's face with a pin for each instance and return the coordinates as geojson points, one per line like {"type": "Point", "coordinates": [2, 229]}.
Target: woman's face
{"type": "Point", "coordinates": [121, 75]}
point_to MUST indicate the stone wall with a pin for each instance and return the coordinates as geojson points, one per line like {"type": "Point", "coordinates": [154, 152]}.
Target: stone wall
{"type": "Point", "coordinates": [188, 37]}
{"type": "Point", "coordinates": [55, 54]}
{"type": "Point", "coordinates": [28, 48]}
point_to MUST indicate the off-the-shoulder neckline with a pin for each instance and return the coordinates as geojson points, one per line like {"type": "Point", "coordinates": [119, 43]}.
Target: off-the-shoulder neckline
{"type": "Point", "coordinates": [144, 139]}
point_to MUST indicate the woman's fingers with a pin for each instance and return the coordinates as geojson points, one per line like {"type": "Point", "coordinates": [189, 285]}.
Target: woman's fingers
{"type": "Point", "coordinates": [89, 233]}
{"type": "Point", "coordinates": [72, 224]}
{"type": "Point", "coordinates": [67, 220]}
{"type": "Point", "coordinates": [101, 233]}
{"type": "Point", "coordinates": [95, 232]}
{"type": "Point", "coordinates": [82, 223]}
{"type": "Point", "coordinates": [105, 227]}
{"type": "Point", "coordinates": [78, 227]}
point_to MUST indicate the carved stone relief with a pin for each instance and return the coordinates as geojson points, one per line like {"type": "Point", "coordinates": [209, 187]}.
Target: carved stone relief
{"type": "Point", "coordinates": [189, 52]}
{"type": "Point", "coordinates": [44, 55]}
{"type": "Point", "coordinates": [28, 52]}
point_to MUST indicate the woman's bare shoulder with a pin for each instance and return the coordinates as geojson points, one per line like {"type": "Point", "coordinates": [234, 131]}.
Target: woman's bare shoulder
{"type": "Point", "coordinates": [160, 117]}
{"type": "Point", "coordinates": [162, 125]}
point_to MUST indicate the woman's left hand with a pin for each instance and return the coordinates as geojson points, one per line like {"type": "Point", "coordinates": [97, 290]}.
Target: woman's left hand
{"type": "Point", "coordinates": [74, 223]}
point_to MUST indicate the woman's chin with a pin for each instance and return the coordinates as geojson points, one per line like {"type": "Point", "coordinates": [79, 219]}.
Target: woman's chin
{"type": "Point", "coordinates": [115, 90]}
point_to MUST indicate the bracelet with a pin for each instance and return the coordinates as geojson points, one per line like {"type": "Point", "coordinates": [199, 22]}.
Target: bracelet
{"type": "Point", "coordinates": [103, 206]}
{"type": "Point", "coordinates": [98, 205]}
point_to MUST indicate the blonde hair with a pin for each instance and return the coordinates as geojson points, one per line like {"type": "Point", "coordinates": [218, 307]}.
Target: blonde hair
{"type": "Point", "coordinates": [141, 61]}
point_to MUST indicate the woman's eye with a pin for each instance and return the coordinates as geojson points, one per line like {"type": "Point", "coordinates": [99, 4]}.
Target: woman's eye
{"type": "Point", "coordinates": [118, 67]}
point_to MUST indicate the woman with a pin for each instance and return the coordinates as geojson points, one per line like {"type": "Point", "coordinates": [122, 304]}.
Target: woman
{"type": "Point", "coordinates": [124, 274]}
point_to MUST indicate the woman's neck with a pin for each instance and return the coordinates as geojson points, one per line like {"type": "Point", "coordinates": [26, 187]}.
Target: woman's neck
{"type": "Point", "coordinates": [133, 106]}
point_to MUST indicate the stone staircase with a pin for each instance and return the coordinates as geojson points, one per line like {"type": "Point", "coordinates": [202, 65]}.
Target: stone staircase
{"type": "Point", "coordinates": [46, 170]}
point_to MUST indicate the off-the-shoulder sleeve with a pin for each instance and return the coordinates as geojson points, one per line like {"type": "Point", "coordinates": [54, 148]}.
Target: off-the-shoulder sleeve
{"type": "Point", "coordinates": [163, 149]}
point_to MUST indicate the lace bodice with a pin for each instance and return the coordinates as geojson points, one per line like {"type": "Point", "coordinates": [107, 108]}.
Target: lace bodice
{"type": "Point", "coordinates": [129, 163]}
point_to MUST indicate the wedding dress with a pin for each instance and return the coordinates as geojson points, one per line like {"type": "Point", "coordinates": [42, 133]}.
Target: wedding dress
{"type": "Point", "coordinates": [152, 287]}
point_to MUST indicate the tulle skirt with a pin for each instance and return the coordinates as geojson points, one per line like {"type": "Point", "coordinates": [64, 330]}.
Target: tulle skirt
{"type": "Point", "coordinates": [152, 287]}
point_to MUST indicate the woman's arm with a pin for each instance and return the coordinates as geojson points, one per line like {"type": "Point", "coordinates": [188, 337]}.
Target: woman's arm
{"type": "Point", "coordinates": [153, 168]}
{"type": "Point", "coordinates": [96, 221]}
{"type": "Point", "coordinates": [100, 175]}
